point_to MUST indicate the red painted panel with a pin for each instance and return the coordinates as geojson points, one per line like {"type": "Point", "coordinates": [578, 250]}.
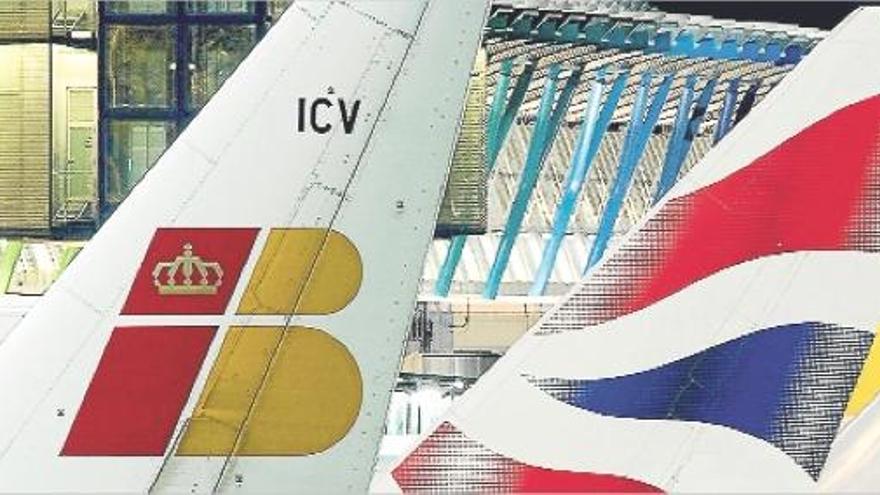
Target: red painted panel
{"type": "Point", "coordinates": [448, 461]}
{"type": "Point", "coordinates": [818, 190]}
{"type": "Point", "coordinates": [530, 479]}
{"type": "Point", "coordinates": [226, 248]}
{"type": "Point", "coordinates": [138, 391]}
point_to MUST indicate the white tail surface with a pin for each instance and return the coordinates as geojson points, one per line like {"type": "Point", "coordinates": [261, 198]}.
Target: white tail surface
{"type": "Point", "coordinates": [855, 454]}
{"type": "Point", "coordinates": [716, 348]}
{"type": "Point", "coordinates": [237, 323]}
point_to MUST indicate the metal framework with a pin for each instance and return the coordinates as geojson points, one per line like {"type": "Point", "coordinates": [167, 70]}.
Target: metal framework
{"type": "Point", "coordinates": [501, 116]}
{"type": "Point", "coordinates": [687, 125]}
{"type": "Point", "coordinates": [593, 129]}
{"type": "Point", "coordinates": [546, 128]}
{"type": "Point", "coordinates": [698, 56]}
{"type": "Point", "coordinates": [640, 128]}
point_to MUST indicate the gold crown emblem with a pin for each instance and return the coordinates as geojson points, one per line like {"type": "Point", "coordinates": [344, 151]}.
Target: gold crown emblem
{"type": "Point", "coordinates": [187, 264]}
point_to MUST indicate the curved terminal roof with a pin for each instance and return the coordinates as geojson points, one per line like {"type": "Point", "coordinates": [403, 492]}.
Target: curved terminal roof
{"type": "Point", "coordinates": [615, 35]}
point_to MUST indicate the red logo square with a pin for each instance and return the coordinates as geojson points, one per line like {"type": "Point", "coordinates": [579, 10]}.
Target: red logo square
{"type": "Point", "coordinates": [189, 271]}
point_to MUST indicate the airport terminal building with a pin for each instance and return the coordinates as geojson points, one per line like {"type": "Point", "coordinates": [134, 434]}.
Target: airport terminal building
{"type": "Point", "coordinates": [546, 175]}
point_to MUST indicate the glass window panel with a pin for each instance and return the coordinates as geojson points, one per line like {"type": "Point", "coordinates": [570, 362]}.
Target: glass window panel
{"type": "Point", "coordinates": [214, 53]}
{"type": "Point", "coordinates": [220, 6]}
{"type": "Point", "coordinates": [140, 66]}
{"type": "Point", "coordinates": [138, 6]}
{"type": "Point", "coordinates": [133, 147]}
{"type": "Point", "coordinates": [277, 7]}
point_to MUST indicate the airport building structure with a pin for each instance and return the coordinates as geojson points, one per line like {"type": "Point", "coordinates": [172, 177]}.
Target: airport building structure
{"type": "Point", "coordinates": [581, 114]}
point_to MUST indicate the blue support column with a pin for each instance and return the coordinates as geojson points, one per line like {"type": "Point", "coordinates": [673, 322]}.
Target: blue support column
{"type": "Point", "coordinates": [511, 109]}
{"type": "Point", "coordinates": [697, 118]}
{"type": "Point", "coordinates": [561, 107]}
{"type": "Point", "coordinates": [450, 263]}
{"type": "Point", "coordinates": [671, 164]}
{"type": "Point", "coordinates": [748, 102]}
{"type": "Point", "coordinates": [725, 118]}
{"type": "Point", "coordinates": [593, 129]}
{"type": "Point", "coordinates": [546, 125]}
{"type": "Point", "coordinates": [493, 123]}
{"type": "Point", "coordinates": [680, 144]}
{"type": "Point", "coordinates": [501, 116]}
{"type": "Point", "coordinates": [634, 145]}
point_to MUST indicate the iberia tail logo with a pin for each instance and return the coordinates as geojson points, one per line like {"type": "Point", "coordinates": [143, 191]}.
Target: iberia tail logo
{"type": "Point", "coordinates": [273, 389]}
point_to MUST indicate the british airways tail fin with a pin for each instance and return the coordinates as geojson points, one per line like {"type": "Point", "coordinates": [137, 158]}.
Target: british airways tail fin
{"type": "Point", "coordinates": [717, 347]}
{"type": "Point", "coordinates": [237, 323]}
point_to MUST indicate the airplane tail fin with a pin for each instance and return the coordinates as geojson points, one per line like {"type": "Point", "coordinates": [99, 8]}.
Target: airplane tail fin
{"type": "Point", "coordinates": [237, 323]}
{"type": "Point", "coordinates": [717, 346]}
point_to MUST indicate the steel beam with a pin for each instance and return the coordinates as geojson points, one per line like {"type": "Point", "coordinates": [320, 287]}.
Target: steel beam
{"type": "Point", "coordinates": [499, 100]}
{"type": "Point", "coordinates": [680, 146]}
{"type": "Point", "coordinates": [650, 36]}
{"type": "Point", "coordinates": [501, 117]}
{"type": "Point", "coordinates": [634, 145]}
{"type": "Point", "coordinates": [748, 102]}
{"type": "Point", "coordinates": [450, 263]}
{"type": "Point", "coordinates": [725, 118]}
{"type": "Point", "coordinates": [593, 128]}
{"type": "Point", "coordinates": [511, 109]}
{"type": "Point", "coordinates": [671, 162]}
{"type": "Point", "coordinates": [546, 125]}
{"type": "Point", "coordinates": [697, 118]}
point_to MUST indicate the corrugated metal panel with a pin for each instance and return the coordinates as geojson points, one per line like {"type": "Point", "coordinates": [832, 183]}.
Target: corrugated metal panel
{"type": "Point", "coordinates": [24, 139]}
{"type": "Point", "coordinates": [463, 210]}
{"type": "Point", "coordinates": [24, 20]}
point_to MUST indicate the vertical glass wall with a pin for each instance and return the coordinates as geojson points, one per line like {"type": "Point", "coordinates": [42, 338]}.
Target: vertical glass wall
{"type": "Point", "coordinates": [134, 145]}
{"type": "Point", "coordinates": [159, 63]}
{"type": "Point", "coordinates": [140, 66]}
{"type": "Point", "coordinates": [215, 51]}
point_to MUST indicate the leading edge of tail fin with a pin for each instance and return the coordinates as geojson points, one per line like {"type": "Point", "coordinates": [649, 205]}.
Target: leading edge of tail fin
{"type": "Point", "coordinates": [716, 348]}
{"type": "Point", "coordinates": [237, 323]}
